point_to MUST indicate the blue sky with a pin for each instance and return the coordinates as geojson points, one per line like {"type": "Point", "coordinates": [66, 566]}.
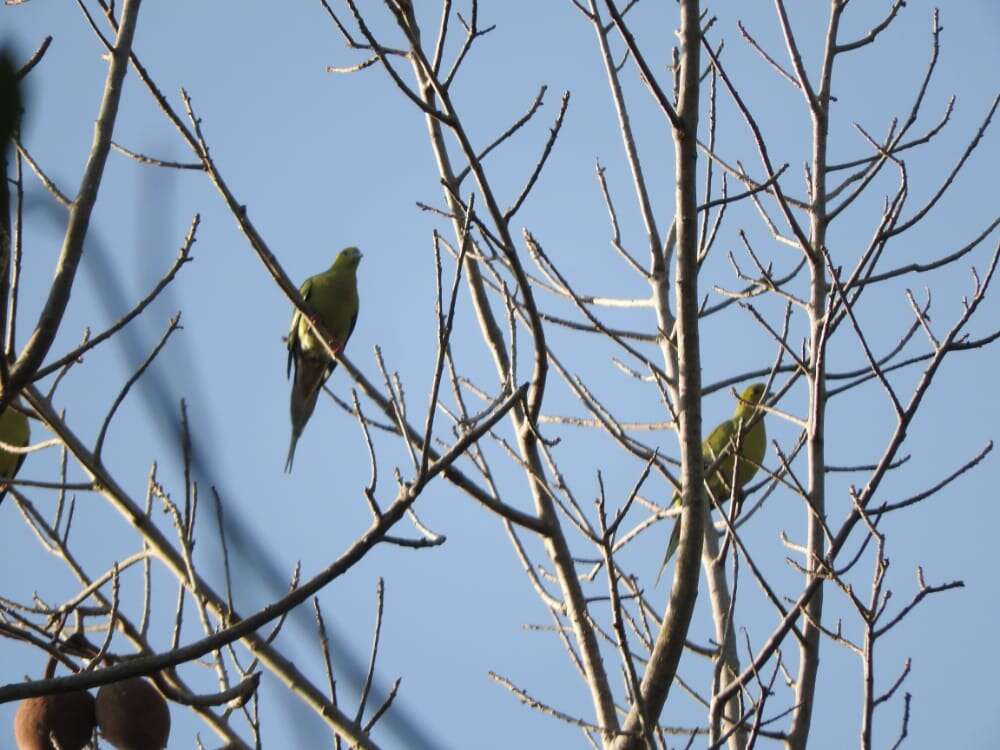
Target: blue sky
{"type": "Point", "coordinates": [324, 161]}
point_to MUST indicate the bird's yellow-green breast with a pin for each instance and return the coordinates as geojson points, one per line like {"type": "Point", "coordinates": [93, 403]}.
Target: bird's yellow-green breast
{"type": "Point", "coordinates": [333, 295]}
{"type": "Point", "coordinates": [13, 431]}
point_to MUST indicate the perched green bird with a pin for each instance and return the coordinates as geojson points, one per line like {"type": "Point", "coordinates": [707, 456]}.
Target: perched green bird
{"type": "Point", "coordinates": [753, 444]}
{"type": "Point", "coordinates": [333, 297]}
{"type": "Point", "coordinates": [13, 431]}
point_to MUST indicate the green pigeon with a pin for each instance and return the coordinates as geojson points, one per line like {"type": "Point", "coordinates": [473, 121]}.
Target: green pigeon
{"type": "Point", "coordinates": [13, 431]}
{"type": "Point", "coordinates": [752, 448]}
{"type": "Point", "coordinates": [333, 298]}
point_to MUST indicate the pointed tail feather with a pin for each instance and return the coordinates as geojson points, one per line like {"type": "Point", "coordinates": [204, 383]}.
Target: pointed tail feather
{"type": "Point", "coordinates": [675, 540]}
{"type": "Point", "coordinates": [291, 454]}
{"type": "Point", "coordinates": [310, 374]}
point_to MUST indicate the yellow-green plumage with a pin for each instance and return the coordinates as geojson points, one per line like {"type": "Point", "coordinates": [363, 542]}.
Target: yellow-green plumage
{"type": "Point", "coordinates": [333, 297]}
{"type": "Point", "coordinates": [13, 431]}
{"type": "Point", "coordinates": [753, 442]}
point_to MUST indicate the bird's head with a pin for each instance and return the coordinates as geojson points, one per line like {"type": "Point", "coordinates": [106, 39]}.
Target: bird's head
{"type": "Point", "coordinates": [753, 394]}
{"type": "Point", "coordinates": [749, 398]}
{"type": "Point", "coordinates": [349, 257]}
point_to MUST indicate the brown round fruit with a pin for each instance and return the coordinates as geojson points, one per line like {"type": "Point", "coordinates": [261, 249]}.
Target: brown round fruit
{"type": "Point", "coordinates": [69, 717]}
{"type": "Point", "coordinates": [132, 715]}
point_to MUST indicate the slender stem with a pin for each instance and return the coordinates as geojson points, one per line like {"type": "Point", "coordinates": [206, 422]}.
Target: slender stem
{"type": "Point", "coordinates": [80, 210]}
{"type": "Point", "coordinates": [669, 645]}
{"type": "Point", "coordinates": [524, 419]}
{"type": "Point", "coordinates": [819, 324]}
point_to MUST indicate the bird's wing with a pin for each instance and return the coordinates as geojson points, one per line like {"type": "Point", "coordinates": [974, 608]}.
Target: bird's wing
{"type": "Point", "coordinates": [17, 468]}
{"type": "Point", "coordinates": [350, 328]}
{"type": "Point", "coordinates": [14, 430]}
{"type": "Point", "coordinates": [713, 446]}
{"type": "Point", "coordinates": [293, 332]}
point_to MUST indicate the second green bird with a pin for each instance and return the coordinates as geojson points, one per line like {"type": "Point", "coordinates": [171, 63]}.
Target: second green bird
{"type": "Point", "coordinates": [751, 452]}
{"type": "Point", "coordinates": [333, 296]}
{"type": "Point", "coordinates": [13, 431]}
